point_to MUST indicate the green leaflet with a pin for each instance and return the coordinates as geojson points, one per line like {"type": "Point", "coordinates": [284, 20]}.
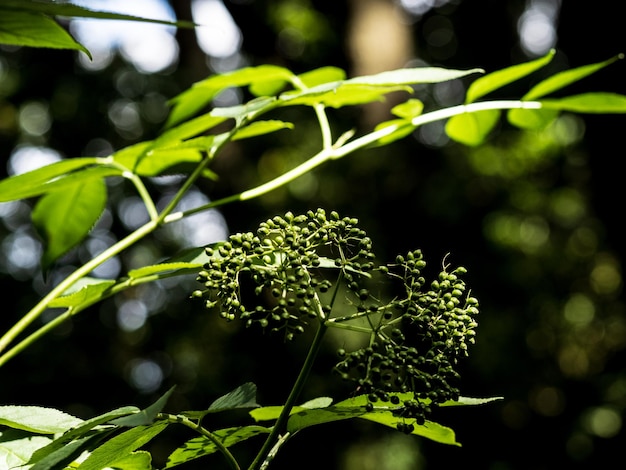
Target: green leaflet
{"type": "Point", "coordinates": [562, 79]}
{"type": "Point", "coordinates": [83, 429]}
{"type": "Point", "coordinates": [16, 447]}
{"type": "Point", "coordinates": [540, 118]}
{"type": "Point", "coordinates": [121, 446]}
{"type": "Point", "coordinates": [472, 128]}
{"type": "Point", "coordinates": [321, 412]}
{"type": "Point", "coordinates": [322, 75]}
{"type": "Point", "coordinates": [64, 454]}
{"type": "Point", "coordinates": [429, 430]}
{"type": "Point", "coordinates": [44, 179]}
{"type": "Point", "coordinates": [64, 218]}
{"type": "Point", "coordinates": [201, 93]}
{"type": "Point", "coordinates": [496, 80]}
{"type": "Point", "coordinates": [85, 291]}
{"type": "Point", "coordinates": [145, 416]}
{"type": "Point", "coordinates": [31, 23]}
{"type": "Point", "coordinates": [139, 460]}
{"type": "Point", "coordinates": [257, 128]}
{"type": "Point", "coordinates": [594, 103]}
{"type": "Point", "coordinates": [37, 419]}
{"type": "Point", "coordinates": [201, 446]}
{"type": "Point", "coordinates": [34, 29]}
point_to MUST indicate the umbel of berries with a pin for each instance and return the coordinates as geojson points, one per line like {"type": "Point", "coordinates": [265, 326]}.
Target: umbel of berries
{"type": "Point", "coordinates": [273, 278]}
{"type": "Point", "coordinates": [416, 346]}
{"type": "Point", "coordinates": [287, 275]}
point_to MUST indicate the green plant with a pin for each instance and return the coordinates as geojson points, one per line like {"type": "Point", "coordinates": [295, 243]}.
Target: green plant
{"type": "Point", "coordinates": [315, 270]}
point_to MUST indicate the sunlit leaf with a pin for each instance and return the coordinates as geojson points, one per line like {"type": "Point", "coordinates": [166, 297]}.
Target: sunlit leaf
{"type": "Point", "coordinates": [412, 76]}
{"type": "Point", "coordinates": [201, 446]}
{"type": "Point", "coordinates": [472, 128]}
{"type": "Point", "coordinates": [32, 29]}
{"type": "Point", "coordinates": [201, 93]}
{"type": "Point", "coordinates": [122, 445]}
{"type": "Point", "coordinates": [592, 103]}
{"type": "Point", "coordinates": [167, 160]}
{"type": "Point", "coordinates": [257, 128]}
{"type": "Point", "coordinates": [37, 419]}
{"type": "Point", "coordinates": [130, 156]}
{"type": "Point", "coordinates": [531, 118]}
{"type": "Point", "coordinates": [17, 447]}
{"type": "Point", "coordinates": [82, 429]}
{"type": "Point", "coordinates": [138, 460]}
{"type": "Point", "coordinates": [188, 129]}
{"type": "Point", "coordinates": [64, 453]}
{"type": "Point", "coordinates": [342, 95]}
{"type": "Point", "coordinates": [559, 80]}
{"type": "Point", "coordinates": [268, 413]}
{"type": "Point", "coordinates": [305, 418]}
{"type": "Point", "coordinates": [470, 401]}
{"type": "Point", "coordinates": [78, 207]}
{"type": "Point", "coordinates": [34, 183]}
{"type": "Point", "coordinates": [86, 290]}
{"type": "Point", "coordinates": [186, 262]}
{"type": "Point", "coordinates": [429, 430]}
{"type": "Point", "coordinates": [495, 80]}
{"type": "Point", "coordinates": [409, 109]}
{"type": "Point", "coordinates": [244, 110]}
{"type": "Point", "coordinates": [402, 128]}
{"type": "Point", "coordinates": [322, 75]}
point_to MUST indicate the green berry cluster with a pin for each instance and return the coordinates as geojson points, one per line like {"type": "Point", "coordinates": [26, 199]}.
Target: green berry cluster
{"type": "Point", "coordinates": [287, 274]}
{"type": "Point", "coordinates": [417, 344]}
{"type": "Point", "coordinates": [273, 278]}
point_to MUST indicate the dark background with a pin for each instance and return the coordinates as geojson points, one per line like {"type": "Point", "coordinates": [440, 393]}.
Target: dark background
{"type": "Point", "coordinates": [563, 383]}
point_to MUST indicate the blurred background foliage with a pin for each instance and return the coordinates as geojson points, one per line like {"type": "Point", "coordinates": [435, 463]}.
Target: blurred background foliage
{"type": "Point", "coordinates": [534, 216]}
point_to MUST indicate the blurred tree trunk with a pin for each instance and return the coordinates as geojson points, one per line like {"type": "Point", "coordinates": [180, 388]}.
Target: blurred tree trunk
{"type": "Point", "coordinates": [379, 39]}
{"type": "Point", "coordinates": [192, 62]}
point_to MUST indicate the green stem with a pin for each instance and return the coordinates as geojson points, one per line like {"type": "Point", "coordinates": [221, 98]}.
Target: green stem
{"type": "Point", "coordinates": [281, 423]}
{"type": "Point", "coordinates": [143, 193]}
{"type": "Point", "coordinates": [232, 462]}
{"type": "Point", "coordinates": [66, 283]}
{"type": "Point", "coordinates": [335, 152]}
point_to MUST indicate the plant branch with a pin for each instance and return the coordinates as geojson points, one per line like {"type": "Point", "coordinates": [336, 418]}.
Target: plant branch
{"type": "Point", "coordinates": [232, 462]}
{"type": "Point", "coordinates": [336, 152]}
{"type": "Point", "coordinates": [66, 283]}
{"type": "Point", "coordinates": [281, 423]}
